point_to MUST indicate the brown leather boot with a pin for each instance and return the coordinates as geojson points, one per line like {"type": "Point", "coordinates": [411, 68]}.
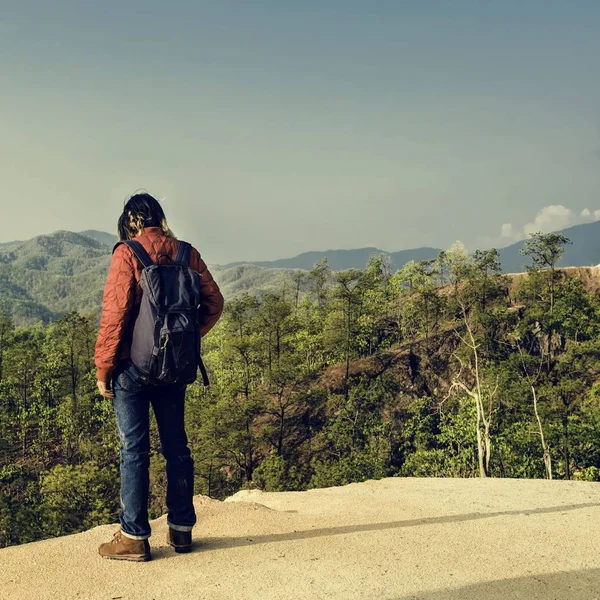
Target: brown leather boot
{"type": "Point", "coordinates": [123, 548]}
{"type": "Point", "coordinates": [180, 540]}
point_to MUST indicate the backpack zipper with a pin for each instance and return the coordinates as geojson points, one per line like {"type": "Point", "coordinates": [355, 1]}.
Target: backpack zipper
{"type": "Point", "coordinates": [164, 347]}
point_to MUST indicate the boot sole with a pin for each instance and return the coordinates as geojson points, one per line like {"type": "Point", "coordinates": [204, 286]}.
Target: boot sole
{"type": "Point", "coordinates": [134, 558]}
{"type": "Point", "coordinates": [181, 549]}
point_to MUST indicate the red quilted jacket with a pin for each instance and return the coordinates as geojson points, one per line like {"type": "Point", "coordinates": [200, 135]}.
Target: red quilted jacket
{"type": "Point", "coordinates": [123, 294]}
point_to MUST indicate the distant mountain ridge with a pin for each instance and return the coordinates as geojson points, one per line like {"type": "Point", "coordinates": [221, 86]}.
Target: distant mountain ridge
{"type": "Point", "coordinates": [8, 246]}
{"type": "Point", "coordinates": [49, 275]}
{"type": "Point", "coordinates": [584, 250]}
{"type": "Point", "coordinates": [108, 239]}
{"type": "Point", "coordinates": [340, 260]}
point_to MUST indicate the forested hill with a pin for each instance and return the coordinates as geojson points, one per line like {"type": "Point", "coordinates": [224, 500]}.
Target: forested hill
{"type": "Point", "coordinates": [448, 368]}
{"type": "Point", "coordinates": [584, 251]}
{"type": "Point", "coordinates": [50, 275]}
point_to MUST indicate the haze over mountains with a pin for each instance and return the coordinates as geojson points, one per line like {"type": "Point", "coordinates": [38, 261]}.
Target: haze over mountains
{"type": "Point", "coordinates": [339, 260]}
{"type": "Point", "coordinates": [584, 251]}
{"type": "Point", "coordinates": [49, 275]}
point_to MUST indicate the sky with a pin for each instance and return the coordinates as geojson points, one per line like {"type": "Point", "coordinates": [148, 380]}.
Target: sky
{"type": "Point", "coordinates": [269, 128]}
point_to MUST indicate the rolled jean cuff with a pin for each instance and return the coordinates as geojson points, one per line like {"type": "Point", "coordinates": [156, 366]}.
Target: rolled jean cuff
{"type": "Point", "coordinates": [180, 527]}
{"type": "Point", "coordinates": [134, 537]}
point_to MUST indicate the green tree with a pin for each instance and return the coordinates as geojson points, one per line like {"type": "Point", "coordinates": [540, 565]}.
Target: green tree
{"type": "Point", "coordinates": [347, 295]}
{"type": "Point", "coordinates": [479, 304]}
{"type": "Point", "coordinates": [545, 251]}
{"type": "Point", "coordinates": [6, 330]}
{"type": "Point", "coordinates": [77, 497]}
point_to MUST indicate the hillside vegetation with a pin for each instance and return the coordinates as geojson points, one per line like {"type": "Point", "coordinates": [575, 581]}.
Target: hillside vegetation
{"type": "Point", "coordinates": [443, 368]}
{"type": "Point", "coordinates": [48, 276]}
{"type": "Point", "coordinates": [51, 275]}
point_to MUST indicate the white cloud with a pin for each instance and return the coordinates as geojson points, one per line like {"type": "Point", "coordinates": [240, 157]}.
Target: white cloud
{"type": "Point", "coordinates": [589, 216]}
{"type": "Point", "coordinates": [551, 218]}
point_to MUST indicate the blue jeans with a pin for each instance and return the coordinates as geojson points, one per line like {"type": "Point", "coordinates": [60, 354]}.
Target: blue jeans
{"type": "Point", "coordinates": [133, 396]}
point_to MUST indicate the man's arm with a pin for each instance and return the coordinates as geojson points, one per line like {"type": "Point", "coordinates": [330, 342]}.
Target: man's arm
{"type": "Point", "coordinates": [211, 297]}
{"type": "Point", "coordinates": [117, 305]}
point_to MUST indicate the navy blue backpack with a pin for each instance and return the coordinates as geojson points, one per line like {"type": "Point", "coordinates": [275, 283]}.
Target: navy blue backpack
{"type": "Point", "coordinates": [166, 335]}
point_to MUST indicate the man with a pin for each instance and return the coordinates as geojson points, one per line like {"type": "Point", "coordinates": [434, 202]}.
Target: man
{"type": "Point", "coordinates": [132, 391]}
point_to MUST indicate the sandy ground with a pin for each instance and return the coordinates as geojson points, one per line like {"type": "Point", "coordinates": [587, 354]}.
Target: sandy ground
{"type": "Point", "coordinates": [396, 539]}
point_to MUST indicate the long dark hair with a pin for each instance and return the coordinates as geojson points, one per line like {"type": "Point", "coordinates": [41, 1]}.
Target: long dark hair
{"type": "Point", "coordinates": [141, 210]}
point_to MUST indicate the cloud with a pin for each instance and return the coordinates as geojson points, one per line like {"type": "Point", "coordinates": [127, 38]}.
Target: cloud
{"type": "Point", "coordinates": [590, 216]}
{"type": "Point", "coordinates": [551, 218]}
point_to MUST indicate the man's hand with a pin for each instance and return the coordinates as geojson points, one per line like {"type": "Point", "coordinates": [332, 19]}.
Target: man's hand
{"type": "Point", "coordinates": [105, 390]}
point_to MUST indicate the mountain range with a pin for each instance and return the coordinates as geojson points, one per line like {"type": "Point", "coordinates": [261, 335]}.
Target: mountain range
{"type": "Point", "coordinates": [49, 275]}
{"type": "Point", "coordinates": [584, 250]}
{"type": "Point", "coordinates": [339, 260]}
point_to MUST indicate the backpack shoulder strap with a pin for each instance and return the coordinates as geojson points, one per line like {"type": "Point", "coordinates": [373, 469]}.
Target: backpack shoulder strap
{"type": "Point", "coordinates": [139, 251]}
{"type": "Point", "coordinates": [183, 253]}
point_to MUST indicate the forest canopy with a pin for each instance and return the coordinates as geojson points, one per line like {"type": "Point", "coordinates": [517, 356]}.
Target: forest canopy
{"type": "Point", "coordinates": [445, 368]}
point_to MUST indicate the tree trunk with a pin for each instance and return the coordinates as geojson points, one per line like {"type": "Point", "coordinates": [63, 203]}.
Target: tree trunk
{"type": "Point", "coordinates": [567, 456]}
{"type": "Point", "coordinates": [485, 444]}
{"type": "Point", "coordinates": [480, 447]}
{"type": "Point", "coordinates": [488, 447]}
{"type": "Point", "coordinates": [547, 457]}
{"type": "Point", "coordinates": [281, 432]}
{"type": "Point", "coordinates": [347, 351]}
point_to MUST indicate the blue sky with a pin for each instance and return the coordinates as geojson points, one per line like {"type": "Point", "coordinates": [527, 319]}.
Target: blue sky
{"type": "Point", "coordinates": [270, 128]}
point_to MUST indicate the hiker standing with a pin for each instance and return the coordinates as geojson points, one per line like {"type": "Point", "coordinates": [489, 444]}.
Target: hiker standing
{"type": "Point", "coordinates": [159, 300]}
